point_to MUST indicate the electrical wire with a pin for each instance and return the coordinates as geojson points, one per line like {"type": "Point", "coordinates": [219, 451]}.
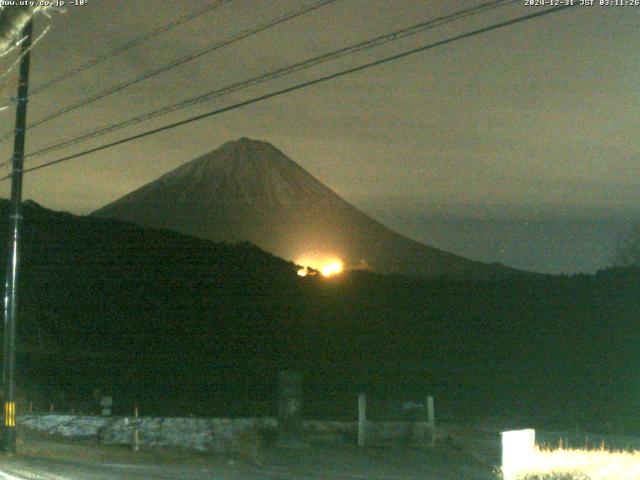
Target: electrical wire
{"type": "Point", "coordinates": [181, 61]}
{"type": "Point", "coordinates": [129, 45]}
{"type": "Point", "coordinates": [281, 72]}
{"type": "Point", "coordinates": [302, 85]}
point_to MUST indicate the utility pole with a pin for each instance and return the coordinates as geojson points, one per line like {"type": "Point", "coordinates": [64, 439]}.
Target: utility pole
{"type": "Point", "coordinates": [10, 298]}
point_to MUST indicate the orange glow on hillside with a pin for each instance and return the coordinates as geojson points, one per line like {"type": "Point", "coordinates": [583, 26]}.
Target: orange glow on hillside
{"type": "Point", "coordinates": [332, 268]}
{"type": "Point", "coordinates": [328, 266]}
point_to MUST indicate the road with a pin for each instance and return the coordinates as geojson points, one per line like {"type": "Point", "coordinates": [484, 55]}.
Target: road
{"type": "Point", "coordinates": [349, 463]}
{"type": "Point", "coordinates": [48, 469]}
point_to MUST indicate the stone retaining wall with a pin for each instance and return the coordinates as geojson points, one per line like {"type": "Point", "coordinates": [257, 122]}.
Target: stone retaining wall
{"type": "Point", "coordinates": [214, 434]}
{"type": "Point", "coordinates": [201, 434]}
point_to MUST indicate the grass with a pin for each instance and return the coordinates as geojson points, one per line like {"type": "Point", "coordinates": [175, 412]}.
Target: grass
{"type": "Point", "coordinates": [575, 464]}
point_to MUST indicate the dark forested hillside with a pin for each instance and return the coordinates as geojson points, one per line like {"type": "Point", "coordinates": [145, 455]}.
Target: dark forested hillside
{"type": "Point", "coordinates": [182, 325]}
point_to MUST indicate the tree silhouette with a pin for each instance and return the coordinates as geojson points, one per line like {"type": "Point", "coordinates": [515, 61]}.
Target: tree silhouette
{"type": "Point", "coordinates": [627, 248]}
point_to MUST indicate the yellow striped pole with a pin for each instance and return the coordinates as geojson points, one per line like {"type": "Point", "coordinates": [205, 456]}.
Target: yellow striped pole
{"type": "Point", "coordinates": [9, 414]}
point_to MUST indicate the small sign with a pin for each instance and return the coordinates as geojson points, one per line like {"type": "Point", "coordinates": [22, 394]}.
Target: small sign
{"type": "Point", "coordinates": [106, 403]}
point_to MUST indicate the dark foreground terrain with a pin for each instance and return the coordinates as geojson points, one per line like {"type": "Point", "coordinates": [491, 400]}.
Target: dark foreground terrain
{"type": "Point", "coordinates": [54, 459]}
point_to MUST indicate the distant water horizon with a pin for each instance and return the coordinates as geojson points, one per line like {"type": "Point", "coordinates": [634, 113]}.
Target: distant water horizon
{"type": "Point", "coordinates": [541, 241]}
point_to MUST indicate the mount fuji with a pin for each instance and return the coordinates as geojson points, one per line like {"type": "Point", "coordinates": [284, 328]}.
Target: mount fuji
{"type": "Point", "coordinates": [248, 190]}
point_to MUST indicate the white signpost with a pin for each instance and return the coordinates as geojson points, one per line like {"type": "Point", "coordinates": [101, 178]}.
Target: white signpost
{"type": "Point", "coordinates": [518, 449]}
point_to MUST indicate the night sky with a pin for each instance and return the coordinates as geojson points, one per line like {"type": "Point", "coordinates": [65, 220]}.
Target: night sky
{"type": "Point", "coordinates": [519, 145]}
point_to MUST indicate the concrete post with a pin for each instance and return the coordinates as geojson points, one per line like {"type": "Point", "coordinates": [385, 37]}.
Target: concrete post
{"type": "Point", "coordinates": [136, 437]}
{"type": "Point", "coordinates": [431, 420]}
{"type": "Point", "coordinates": [290, 408]}
{"type": "Point", "coordinates": [362, 420]}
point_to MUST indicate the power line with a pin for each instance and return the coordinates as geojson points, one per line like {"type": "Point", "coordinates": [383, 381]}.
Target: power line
{"type": "Point", "coordinates": [281, 72]}
{"type": "Point", "coordinates": [301, 86]}
{"type": "Point", "coordinates": [181, 61]}
{"type": "Point", "coordinates": [129, 45]}
{"type": "Point", "coordinates": [121, 49]}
